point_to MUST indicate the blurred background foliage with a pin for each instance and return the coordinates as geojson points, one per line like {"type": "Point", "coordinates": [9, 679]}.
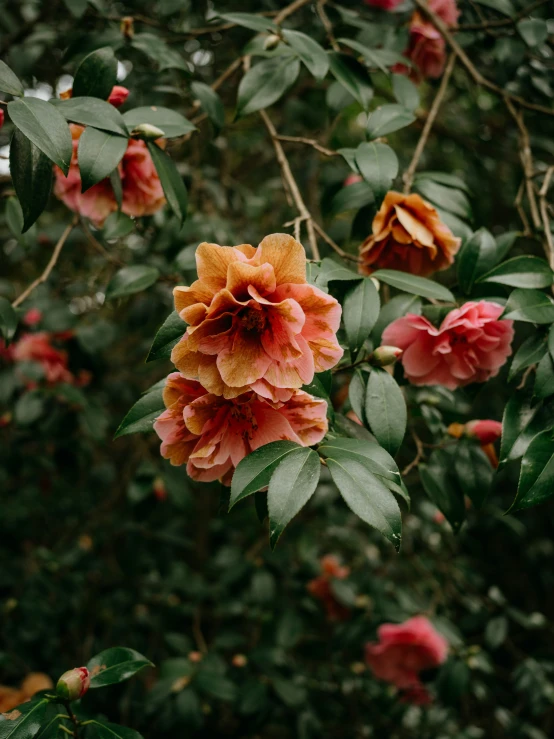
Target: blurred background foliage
{"type": "Point", "coordinates": [103, 543]}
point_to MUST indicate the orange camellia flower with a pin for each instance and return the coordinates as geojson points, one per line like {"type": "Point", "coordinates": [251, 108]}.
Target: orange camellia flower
{"type": "Point", "coordinates": [254, 321]}
{"type": "Point", "coordinates": [408, 235]}
{"type": "Point", "coordinates": [211, 434]}
{"type": "Point", "coordinates": [33, 683]}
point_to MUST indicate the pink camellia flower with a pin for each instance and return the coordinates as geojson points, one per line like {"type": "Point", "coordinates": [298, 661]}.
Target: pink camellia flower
{"type": "Point", "coordinates": [37, 348]}
{"type": "Point", "coordinates": [427, 49]}
{"type": "Point", "coordinates": [73, 684]}
{"type": "Point", "coordinates": [212, 434]}
{"type": "Point", "coordinates": [32, 317]}
{"type": "Point", "coordinates": [118, 96]}
{"type": "Point", "coordinates": [254, 321]}
{"type": "Point", "coordinates": [471, 345]}
{"type": "Point", "coordinates": [142, 190]}
{"type": "Point", "coordinates": [447, 10]}
{"type": "Point", "coordinates": [321, 587]}
{"type": "Point", "coordinates": [486, 431]}
{"type": "Point", "coordinates": [384, 4]}
{"type": "Point", "coordinates": [403, 652]}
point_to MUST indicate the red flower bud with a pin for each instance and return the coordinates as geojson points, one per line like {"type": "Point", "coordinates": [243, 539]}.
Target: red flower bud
{"type": "Point", "coordinates": [1, 117]}
{"type": "Point", "coordinates": [486, 432]}
{"type": "Point", "coordinates": [118, 96]}
{"type": "Point", "coordinates": [384, 355]}
{"type": "Point", "coordinates": [73, 684]}
{"type": "Point", "coordinates": [352, 179]}
{"type": "Point", "coordinates": [32, 317]}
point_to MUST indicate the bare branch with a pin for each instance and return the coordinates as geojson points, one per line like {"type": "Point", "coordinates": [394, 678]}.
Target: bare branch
{"type": "Point", "coordinates": [549, 245]}
{"type": "Point", "coordinates": [309, 142]}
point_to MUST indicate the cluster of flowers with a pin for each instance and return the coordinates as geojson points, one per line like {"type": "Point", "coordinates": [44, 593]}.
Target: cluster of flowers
{"type": "Point", "coordinates": [426, 48]}
{"type": "Point", "coordinates": [257, 332]}
{"type": "Point", "coordinates": [141, 186]}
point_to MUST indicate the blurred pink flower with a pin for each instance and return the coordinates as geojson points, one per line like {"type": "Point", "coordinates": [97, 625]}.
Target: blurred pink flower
{"type": "Point", "coordinates": [352, 179]}
{"type": "Point", "coordinates": [32, 317]}
{"type": "Point", "coordinates": [427, 48]}
{"type": "Point", "coordinates": [486, 431]}
{"type": "Point", "coordinates": [384, 4]}
{"type": "Point", "coordinates": [321, 587]}
{"type": "Point", "coordinates": [37, 348]}
{"type": "Point", "coordinates": [471, 345]}
{"type": "Point", "coordinates": [447, 10]}
{"type": "Point", "coordinates": [403, 651]}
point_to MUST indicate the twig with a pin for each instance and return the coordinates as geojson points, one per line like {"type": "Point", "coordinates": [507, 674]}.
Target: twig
{"type": "Point", "coordinates": [197, 632]}
{"type": "Point", "coordinates": [327, 25]}
{"type": "Point", "coordinates": [517, 202]}
{"type": "Point", "coordinates": [418, 457]}
{"type": "Point", "coordinates": [500, 23]}
{"type": "Point", "coordinates": [525, 375]}
{"type": "Point", "coordinates": [289, 10]}
{"type": "Point", "coordinates": [325, 236]}
{"type": "Point", "coordinates": [410, 172]}
{"type": "Point", "coordinates": [526, 157]}
{"type": "Point", "coordinates": [309, 142]}
{"type": "Point", "coordinates": [549, 245]}
{"type": "Point", "coordinates": [478, 78]}
{"type": "Point", "coordinates": [50, 266]}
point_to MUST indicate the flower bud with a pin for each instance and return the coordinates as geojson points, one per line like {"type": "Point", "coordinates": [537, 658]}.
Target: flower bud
{"type": "Point", "coordinates": [127, 27]}
{"type": "Point", "coordinates": [239, 660]}
{"type": "Point", "coordinates": [66, 94]}
{"type": "Point", "coordinates": [147, 131]}
{"type": "Point", "coordinates": [486, 432]}
{"type": "Point", "coordinates": [2, 115]}
{"type": "Point", "coordinates": [456, 430]}
{"type": "Point", "coordinates": [160, 490]}
{"type": "Point", "coordinates": [384, 355]}
{"type": "Point", "coordinates": [272, 42]}
{"type": "Point", "coordinates": [352, 179]}
{"type": "Point", "coordinates": [73, 684]}
{"type": "Point", "coordinates": [118, 95]}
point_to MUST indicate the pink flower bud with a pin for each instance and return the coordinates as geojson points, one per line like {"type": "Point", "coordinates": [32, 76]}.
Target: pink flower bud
{"type": "Point", "coordinates": [352, 179]}
{"type": "Point", "coordinates": [384, 355]}
{"type": "Point", "coordinates": [118, 96]}
{"type": "Point", "coordinates": [1, 117]}
{"type": "Point", "coordinates": [73, 684]}
{"type": "Point", "coordinates": [160, 490]}
{"type": "Point", "coordinates": [32, 317]}
{"type": "Point", "coordinates": [486, 432]}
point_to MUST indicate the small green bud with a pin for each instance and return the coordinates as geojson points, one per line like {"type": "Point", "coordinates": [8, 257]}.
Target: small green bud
{"type": "Point", "coordinates": [384, 355]}
{"type": "Point", "coordinates": [147, 132]}
{"type": "Point", "coordinates": [272, 42]}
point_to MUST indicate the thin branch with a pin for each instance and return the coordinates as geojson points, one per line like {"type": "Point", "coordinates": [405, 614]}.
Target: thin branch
{"type": "Point", "coordinates": [93, 241]}
{"type": "Point", "coordinates": [309, 142]}
{"type": "Point", "coordinates": [418, 457]}
{"type": "Point", "coordinates": [549, 245]}
{"type": "Point", "coordinates": [478, 78]}
{"type": "Point", "coordinates": [526, 157]}
{"type": "Point", "coordinates": [50, 266]}
{"type": "Point", "coordinates": [327, 24]}
{"type": "Point", "coordinates": [289, 10]}
{"type": "Point", "coordinates": [197, 632]}
{"type": "Point", "coordinates": [410, 172]}
{"type": "Point", "coordinates": [500, 23]}
{"type": "Point", "coordinates": [325, 236]}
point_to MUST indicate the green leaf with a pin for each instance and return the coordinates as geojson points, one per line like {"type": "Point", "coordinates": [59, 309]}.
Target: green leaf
{"type": "Point", "coordinates": [254, 472]}
{"type": "Point", "coordinates": [413, 284]}
{"type": "Point", "coordinates": [385, 409]}
{"type": "Point", "coordinates": [398, 306]}
{"type": "Point", "coordinates": [216, 685]}
{"type": "Point", "coordinates": [544, 379]}
{"type": "Point", "coordinates": [356, 394]}
{"type": "Point", "coordinates": [29, 407]}
{"type": "Point", "coordinates": [156, 49]}
{"type": "Point", "coordinates": [352, 197]}
{"type": "Point", "coordinates": [387, 119]}
{"type": "Point", "coordinates": [378, 165]}
{"type": "Point", "coordinates": [530, 352]}
{"type": "Point", "coordinates": [77, 8]}
{"type": "Point", "coordinates": [536, 481]}
{"type": "Point", "coordinates": [28, 724]}
{"type": "Point", "coordinates": [173, 124]}
{"type": "Point", "coordinates": [90, 111]}
{"type": "Point", "coordinates": [9, 82]}
{"type": "Point", "coordinates": [443, 487]}
{"type": "Point", "coordinates": [291, 486]}
{"type": "Point", "coordinates": [117, 225]}
{"type": "Point", "coordinates": [31, 172]}
{"type": "Point", "coordinates": [292, 694]}
{"type": "Point", "coordinates": [476, 257]}
{"type": "Point", "coordinates": [360, 312]}
{"type": "Point", "coordinates": [115, 665]}
{"type": "Point", "coordinates": [130, 280]}
{"type": "Point", "coordinates": [380, 58]}
{"type": "Point", "coordinates": [524, 271]}
{"type": "Point", "coordinates": [377, 459]}
{"type": "Point", "coordinates": [534, 31]}
{"type": "Point", "coordinates": [210, 102]}
{"type": "Point", "coordinates": [405, 91]}
{"type": "Point", "coordinates": [142, 415]}
{"type": "Point", "coordinates": [502, 6]}
{"type": "Point", "coordinates": [109, 731]}
{"type": "Point", "coordinates": [42, 123]}
{"type": "Point", "coordinates": [249, 20]}
{"type": "Point", "coordinates": [321, 385]}
{"type": "Point", "coordinates": [169, 333]}
{"type": "Point", "coordinates": [172, 182]}
{"type": "Point", "coordinates": [331, 270]}
{"type": "Point", "coordinates": [517, 415]}
{"type": "Point", "coordinates": [504, 243]}
{"type": "Point", "coordinates": [367, 497]}
{"type": "Point", "coordinates": [117, 187]}
{"type": "Point", "coordinates": [189, 708]}
{"type": "Point", "coordinates": [14, 214]}
{"type": "Point", "coordinates": [96, 74]}
{"type": "Point", "coordinates": [530, 306]}
{"type": "Point", "coordinates": [474, 471]}
{"type": "Point", "coordinates": [310, 52]}
{"type": "Point", "coordinates": [352, 76]}
{"type": "Point", "coordinates": [98, 155]}
{"type": "Point", "coordinates": [450, 199]}
{"type": "Point", "coordinates": [264, 84]}
{"type": "Point", "coordinates": [8, 320]}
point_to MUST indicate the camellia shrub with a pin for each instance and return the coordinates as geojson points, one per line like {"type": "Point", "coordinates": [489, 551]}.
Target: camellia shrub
{"type": "Point", "coordinates": [277, 369]}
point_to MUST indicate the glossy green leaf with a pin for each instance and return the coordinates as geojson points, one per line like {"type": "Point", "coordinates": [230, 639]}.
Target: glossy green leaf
{"type": "Point", "coordinates": [115, 665]}
{"type": "Point", "coordinates": [8, 320]}
{"type": "Point", "coordinates": [102, 730]}
{"type": "Point", "coordinates": [356, 394]}
{"type": "Point", "coordinates": [530, 352]}
{"type": "Point", "coordinates": [265, 83]}
{"type": "Point", "coordinates": [131, 280]}
{"type": "Point", "coordinates": [352, 76]}
{"type": "Point", "coordinates": [387, 119]}
{"type": "Point", "coordinates": [96, 74]}
{"type": "Point", "coordinates": [378, 165]}
{"type": "Point", "coordinates": [367, 496]}
{"type": "Point", "coordinates": [523, 272]}
{"type": "Point", "coordinates": [160, 52]}
{"type": "Point", "coordinates": [405, 91]}
{"type": "Point", "coordinates": [534, 31]}
{"type": "Point", "coordinates": [504, 243]}
{"type": "Point", "coordinates": [249, 20]}
{"type": "Point", "coordinates": [143, 413]}
{"type": "Point", "coordinates": [254, 472]}
{"type": "Point", "coordinates": [385, 409]}
{"type": "Point", "coordinates": [98, 154]}
{"type": "Point", "coordinates": [27, 724]}
{"type": "Point", "coordinates": [43, 124]}
{"type": "Point", "coordinates": [309, 51]}
{"type": "Point", "coordinates": [172, 182]}
{"type": "Point", "coordinates": [517, 414]}
{"type": "Point", "coordinates": [169, 333]}
{"type": "Point", "coordinates": [352, 197]}
{"type": "Point", "coordinates": [31, 172]}
{"type": "Point", "coordinates": [377, 459]}
{"type": "Point", "coordinates": [450, 199]}
{"type": "Point", "coordinates": [169, 121]}
{"type": "Point", "coordinates": [117, 225]}
{"type": "Point", "coordinates": [360, 312]}
{"type": "Point", "coordinates": [536, 481]}
{"type": "Point", "coordinates": [531, 306]}
{"type": "Point", "coordinates": [291, 486]}
{"type": "Point", "coordinates": [211, 103]}
{"type": "Point", "coordinates": [90, 111]}
{"type": "Point", "coordinates": [398, 306]}
{"type": "Point", "coordinates": [474, 471]}
{"type": "Point", "coordinates": [502, 6]}
{"type": "Point", "coordinates": [476, 257]}
{"type": "Point", "coordinates": [331, 271]}
{"type": "Point", "coordinates": [14, 214]}
{"type": "Point", "coordinates": [9, 82]}
{"type": "Point", "coordinates": [443, 178]}
{"type": "Point", "coordinates": [321, 385]}
{"type": "Point", "coordinates": [544, 378]}
{"type": "Point", "coordinates": [380, 58]}
{"type": "Point", "coordinates": [443, 487]}
{"type": "Point", "coordinates": [413, 284]}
